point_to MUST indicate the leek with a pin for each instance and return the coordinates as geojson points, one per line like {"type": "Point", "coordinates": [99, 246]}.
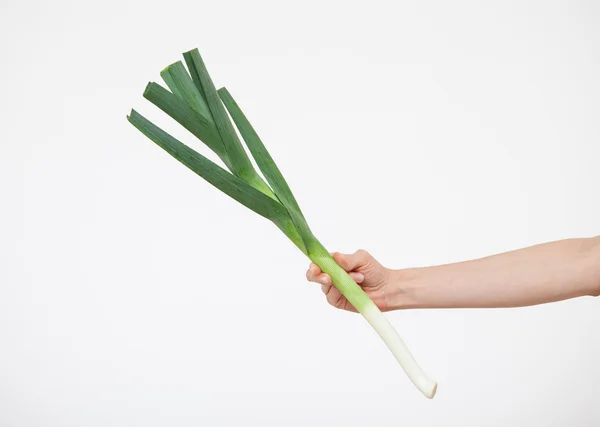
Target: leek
{"type": "Point", "coordinates": [193, 101]}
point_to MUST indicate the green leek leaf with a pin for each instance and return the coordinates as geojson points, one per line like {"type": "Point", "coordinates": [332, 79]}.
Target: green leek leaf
{"type": "Point", "coordinates": [187, 117]}
{"type": "Point", "coordinates": [211, 172]}
{"type": "Point", "coordinates": [239, 159]}
{"type": "Point", "coordinates": [179, 81]}
{"type": "Point", "coordinates": [267, 165]}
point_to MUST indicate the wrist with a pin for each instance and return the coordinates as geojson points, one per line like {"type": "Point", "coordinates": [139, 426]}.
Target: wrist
{"type": "Point", "coordinates": [407, 288]}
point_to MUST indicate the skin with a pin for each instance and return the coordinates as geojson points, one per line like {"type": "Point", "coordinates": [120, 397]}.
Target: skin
{"type": "Point", "coordinates": [534, 275]}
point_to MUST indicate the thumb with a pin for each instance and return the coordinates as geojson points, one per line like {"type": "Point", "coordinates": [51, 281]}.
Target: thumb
{"type": "Point", "coordinates": [351, 262]}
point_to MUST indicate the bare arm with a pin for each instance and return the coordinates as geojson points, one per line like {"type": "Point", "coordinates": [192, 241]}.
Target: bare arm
{"type": "Point", "coordinates": [535, 275]}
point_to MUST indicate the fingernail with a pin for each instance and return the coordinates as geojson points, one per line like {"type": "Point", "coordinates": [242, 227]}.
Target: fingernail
{"type": "Point", "coordinates": [360, 277]}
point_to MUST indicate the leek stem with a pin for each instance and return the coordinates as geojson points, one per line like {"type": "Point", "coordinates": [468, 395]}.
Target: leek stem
{"type": "Point", "coordinates": [365, 306]}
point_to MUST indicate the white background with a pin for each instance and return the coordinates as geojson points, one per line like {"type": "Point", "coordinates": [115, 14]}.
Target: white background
{"type": "Point", "coordinates": [133, 293]}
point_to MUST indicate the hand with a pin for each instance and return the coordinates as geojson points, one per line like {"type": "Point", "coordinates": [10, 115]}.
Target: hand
{"type": "Point", "coordinates": [365, 270]}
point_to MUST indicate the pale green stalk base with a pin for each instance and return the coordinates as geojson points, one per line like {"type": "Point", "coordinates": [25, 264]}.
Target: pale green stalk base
{"type": "Point", "coordinates": [256, 181]}
{"type": "Point", "coordinates": [365, 306]}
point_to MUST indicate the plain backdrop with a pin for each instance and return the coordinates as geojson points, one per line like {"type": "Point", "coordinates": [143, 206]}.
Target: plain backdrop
{"type": "Point", "coordinates": [133, 293]}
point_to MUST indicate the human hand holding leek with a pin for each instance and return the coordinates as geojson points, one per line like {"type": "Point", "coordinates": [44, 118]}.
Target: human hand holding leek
{"type": "Point", "coordinates": [366, 271]}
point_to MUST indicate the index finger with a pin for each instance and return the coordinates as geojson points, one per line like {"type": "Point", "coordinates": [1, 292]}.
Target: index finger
{"type": "Point", "coordinates": [313, 272]}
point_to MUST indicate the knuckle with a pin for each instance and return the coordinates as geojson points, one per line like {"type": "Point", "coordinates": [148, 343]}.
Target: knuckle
{"type": "Point", "coordinates": [362, 253]}
{"type": "Point", "coordinates": [362, 256]}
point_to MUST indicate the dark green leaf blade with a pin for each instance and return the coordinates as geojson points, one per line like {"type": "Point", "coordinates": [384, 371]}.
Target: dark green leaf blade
{"type": "Point", "coordinates": [179, 81]}
{"type": "Point", "coordinates": [214, 174]}
{"type": "Point", "coordinates": [187, 56]}
{"type": "Point", "coordinates": [240, 162]}
{"type": "Point", "coordinates": [188, 118]}
{"type": "Point", "coordinates": [266, 163]}
{"type": "Point", "coordinates": [170, 83]}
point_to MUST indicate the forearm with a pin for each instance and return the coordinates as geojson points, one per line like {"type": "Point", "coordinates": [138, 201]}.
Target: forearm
{"type": "Point", "coordinates": [535, 275]}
